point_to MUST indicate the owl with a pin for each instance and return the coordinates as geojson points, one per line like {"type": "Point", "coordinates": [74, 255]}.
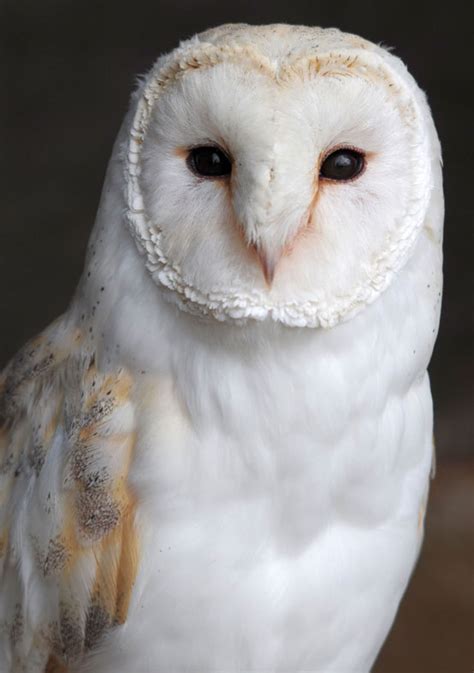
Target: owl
{"type": "Point", "coordinates": [217, 460]}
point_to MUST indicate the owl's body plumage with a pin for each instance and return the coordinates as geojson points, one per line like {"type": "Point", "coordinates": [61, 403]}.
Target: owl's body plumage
{"type": "Point", "coordinates": [203, 472]}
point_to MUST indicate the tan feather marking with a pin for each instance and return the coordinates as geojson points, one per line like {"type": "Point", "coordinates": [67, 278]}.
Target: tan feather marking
{"type": "Point", "coordinates": [330, 65]}
{"type": "Point", "coordinates": [124, 543]}
{"type": "Point", "coordinates": [128, 565]}
{"type": "Point", "coordinates": [101, 507]}
{"type": "Point", "coordinates": [98, 622]}
{"type": "Point", "coordinates": [100, 501]}
{"type": "Point", "coordinates": [210, 56]}
{"type": "Point", "coordinates": [122, 385]}
{"type": "Point", "coordinates": [3, 543]}
{"type": "Point", "coordinates": [55, 558]}
{"type": "Point", "coordinates": [37, 357]}
{"type": "Point", "coordinates": [93, 539]}
{"type": "Point", "coordinates": [55, 666]}
{"type": "Point", "coordinates": [117, 565]}
{"type": "Point", "coordinates": [97, 513]}
{"type": "Point", "coordinates": [69, 634]}
{"type": "Point", "coordinates": [307, 219]}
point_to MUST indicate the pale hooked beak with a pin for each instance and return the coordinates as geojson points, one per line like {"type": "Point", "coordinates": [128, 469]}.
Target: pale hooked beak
{"type": "Point", "coordinates": [268, 262]}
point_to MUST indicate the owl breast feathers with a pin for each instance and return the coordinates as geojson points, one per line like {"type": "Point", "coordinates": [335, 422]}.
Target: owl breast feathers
{"type": "Point", "coordinates": [218, 458]}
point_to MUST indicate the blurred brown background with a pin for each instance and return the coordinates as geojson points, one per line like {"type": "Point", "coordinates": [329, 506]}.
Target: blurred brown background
{"type": "Point", "coordinates": [69, 67]}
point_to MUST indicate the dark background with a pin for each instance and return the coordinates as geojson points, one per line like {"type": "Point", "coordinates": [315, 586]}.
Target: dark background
{"type": "Point", "coordinates": [69, 68]}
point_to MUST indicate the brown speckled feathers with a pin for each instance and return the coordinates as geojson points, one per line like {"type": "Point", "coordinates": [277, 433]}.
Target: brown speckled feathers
{"type": "Point", "coordinates": [68, 542]}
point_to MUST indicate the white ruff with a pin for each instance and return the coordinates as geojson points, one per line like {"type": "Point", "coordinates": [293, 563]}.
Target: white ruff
{"type": "Point", "coordinates": [226, 304]}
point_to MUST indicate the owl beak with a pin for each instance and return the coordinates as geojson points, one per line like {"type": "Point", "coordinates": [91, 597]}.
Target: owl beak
{"type": "Point", "coordinates": [268, 262]}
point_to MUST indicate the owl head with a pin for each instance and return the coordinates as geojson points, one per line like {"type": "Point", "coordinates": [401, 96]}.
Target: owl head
{"type": "Point", "coordinates": [277, 172]}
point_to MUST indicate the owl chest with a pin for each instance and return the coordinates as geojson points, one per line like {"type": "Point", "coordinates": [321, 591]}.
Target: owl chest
{"type": "Point", "coordinates": [254, 536]}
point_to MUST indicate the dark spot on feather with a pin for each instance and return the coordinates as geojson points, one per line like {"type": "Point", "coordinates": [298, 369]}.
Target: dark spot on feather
{"type": "Point", "coordinates": [16, 628]}
{"type": "Point", "coordinates": [7, 464]}
{"type": "Point", "coordinates": [97, 513]}
{"type": "Point", "coordinates": [98, 411]}
{"type": "Point", "coordinates": [56, 557]}
{"type": "Point", "coordinates": [96, 479]}
{"type": "Point", "coordinates": [70, 632]}
{"type": "Point", "coordinates": [98, 621]}
{"type": "Point", "coordinates": [37, 456]}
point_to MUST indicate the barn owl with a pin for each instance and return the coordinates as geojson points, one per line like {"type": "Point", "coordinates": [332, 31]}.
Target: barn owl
{"type": "Point", "coordinates": [217, 460]}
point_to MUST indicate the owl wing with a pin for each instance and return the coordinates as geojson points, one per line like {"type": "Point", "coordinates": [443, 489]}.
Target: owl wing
{"type": "Point", "coordinates": [68, 541]}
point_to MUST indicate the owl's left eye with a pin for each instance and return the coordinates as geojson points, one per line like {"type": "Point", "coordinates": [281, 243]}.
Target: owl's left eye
{"type": "Point", "coordinates": [343, 164]}
{"type": "Point", "coordinates": [209, 161]}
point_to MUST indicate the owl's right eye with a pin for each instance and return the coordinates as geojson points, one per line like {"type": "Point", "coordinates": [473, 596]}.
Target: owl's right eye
{"type": "Point", "coordinates": [209, 161]}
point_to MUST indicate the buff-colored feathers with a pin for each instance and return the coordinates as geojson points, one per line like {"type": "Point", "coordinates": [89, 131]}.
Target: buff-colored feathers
{"type": "Point", "coordinates": [67, 444]}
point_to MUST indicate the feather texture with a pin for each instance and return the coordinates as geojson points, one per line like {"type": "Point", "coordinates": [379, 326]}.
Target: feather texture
{"type": "Point", "coordinates": [69, 544]}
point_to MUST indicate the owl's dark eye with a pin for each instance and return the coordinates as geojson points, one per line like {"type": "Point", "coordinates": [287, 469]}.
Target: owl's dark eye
{"type": "Point", "coordinates": [343, 164]}
{"type": "Point", "coordinates": [209, 161]}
